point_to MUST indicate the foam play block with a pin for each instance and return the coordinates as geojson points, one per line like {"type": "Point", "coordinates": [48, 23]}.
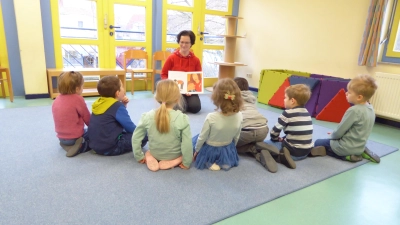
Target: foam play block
{"type": "Point", "coordinates": [271, 80]}
{"type": "Point", "coordinates": [335, 109]}
{"type": "Point", "coordinates": [312, 102]}
{"type": "Point", "coordinates": [310, 82]}
{"type": "Point", "coordinates": [279, 96]}
{"type": "Point", "coordinates": [329, 88]}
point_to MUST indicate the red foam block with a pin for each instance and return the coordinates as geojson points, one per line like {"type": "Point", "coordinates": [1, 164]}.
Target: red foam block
{"type": "Point", "coordinates": [335, 109]}
{"type": "Point", "coordinates": [279, 96]}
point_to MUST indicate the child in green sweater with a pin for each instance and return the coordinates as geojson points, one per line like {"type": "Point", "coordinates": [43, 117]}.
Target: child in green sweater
{"type": "Point", "coordinates": [170, 139]}
{"type": "Point", "coordinates": [348, 140]}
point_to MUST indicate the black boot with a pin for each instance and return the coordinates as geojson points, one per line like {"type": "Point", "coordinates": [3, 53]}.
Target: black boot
{"type": "Point", "coordinates": [285, 158]}
{"type": "Point", "coordinates": [265, 158]}
{"type": "Point", "coordinates": [271, 148]}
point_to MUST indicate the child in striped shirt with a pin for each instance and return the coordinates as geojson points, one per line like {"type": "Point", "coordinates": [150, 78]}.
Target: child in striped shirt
{"type": "Point", "coordinates": [296, 123]}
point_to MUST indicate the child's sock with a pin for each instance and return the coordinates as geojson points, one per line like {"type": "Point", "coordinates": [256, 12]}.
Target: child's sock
{"type": "Point", "coordinates": [354, 158]}
{"type": "Point", "coordinates": [74, 149]}
{"type": "Point", "coordinates": [151, 162]}
{"type": "Point", "coordinates": [371, 156]}
{"type": "Point", "coordinates": [169, 164]}
{"type": "Point", "coordinates": [214, 167]}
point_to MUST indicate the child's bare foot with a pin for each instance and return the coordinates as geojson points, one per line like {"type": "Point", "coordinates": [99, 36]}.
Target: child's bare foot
{"type": "Point", "coordinates": [151, 162]}
{"type": "Point", "coordinates": [169, 164]}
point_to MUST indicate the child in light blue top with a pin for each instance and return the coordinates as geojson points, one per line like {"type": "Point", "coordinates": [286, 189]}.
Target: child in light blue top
{"type": "Point", "coordinates": [168, 131]}
{"type": "Point", "coordinates": [348, 140]}
{"type": "Point", "coordinates": [215, 146]}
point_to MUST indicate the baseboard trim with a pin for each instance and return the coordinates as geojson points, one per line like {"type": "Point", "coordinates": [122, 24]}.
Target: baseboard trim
{"type": "Point", "coordinates": [35, 96]}
{"type": "Point", "coordinates": [387, 122]}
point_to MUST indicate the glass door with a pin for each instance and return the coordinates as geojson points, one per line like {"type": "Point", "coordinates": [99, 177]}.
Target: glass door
{"type": "Point", "coordinates": [93, 34]}
{"type": "Point", "coordinates": [204, 18]}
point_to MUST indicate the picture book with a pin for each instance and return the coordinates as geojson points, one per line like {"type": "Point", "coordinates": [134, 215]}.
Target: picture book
{"type": "Point", "coordinates": [188, 82]}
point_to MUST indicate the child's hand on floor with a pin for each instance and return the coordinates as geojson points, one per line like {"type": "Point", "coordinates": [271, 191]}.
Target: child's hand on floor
{"type": "Point", "coordinates": [143, 161]}
{"type": "Point", "coordinates": [183, 167]}
{"type": "Point", "coordinates": [280, 139]}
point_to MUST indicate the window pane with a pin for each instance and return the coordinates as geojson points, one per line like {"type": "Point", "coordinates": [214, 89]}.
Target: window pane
{"type": "Point", "coordinates": [119, 57]}
{"type": "Point", "coordinates": [78, 19]}
{"type": "Point", "coordinates": [211, 70]}
{"type": "Point", "coordinates": [131, 21]}
{"type": "Point", "coordinates": [214, 25]}
{"type": "Point", "coordinates": [220, 5]}
{"type": "Point", "coordinates": [181, 2]}
{"type": "Point", "coordinates": [176, 22]}
{"type": "Point", "coordinates": [396, 47]}
{"type": "Point", "coordinates": [80, 56]}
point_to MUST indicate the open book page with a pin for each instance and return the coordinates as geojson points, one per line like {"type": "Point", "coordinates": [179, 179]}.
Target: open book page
{"type": "Point", "coordinates": [188, 82]}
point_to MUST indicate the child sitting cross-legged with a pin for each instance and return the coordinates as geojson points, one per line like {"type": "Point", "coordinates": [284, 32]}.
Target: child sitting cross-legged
{"type": "Point", "coordinates": [111, 127]}
{"type": "Point", "coordinates": [170, 142]}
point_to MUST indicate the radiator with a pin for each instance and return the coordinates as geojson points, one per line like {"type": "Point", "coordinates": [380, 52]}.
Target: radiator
{"type": "Point", "coordinates": [386, 100]}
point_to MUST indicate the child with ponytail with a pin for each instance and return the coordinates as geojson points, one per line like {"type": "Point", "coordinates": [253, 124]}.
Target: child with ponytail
{"type": "Point", "coordinates": [168, 130]}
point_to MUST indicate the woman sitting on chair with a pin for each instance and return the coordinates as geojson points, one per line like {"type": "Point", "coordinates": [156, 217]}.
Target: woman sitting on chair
{"type": "Point", "coordinates": [184, 60]}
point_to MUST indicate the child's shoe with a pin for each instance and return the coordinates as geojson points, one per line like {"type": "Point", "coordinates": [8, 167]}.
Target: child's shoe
{"type": "Point", "coordinates": [265, 158]}
{"type": "Point", "coordinates": [65, 147]}
{"type": "Point", "coordinates": [74, 149]}
{"type": "Point", "coordinates": [214, 167]}
{"type": "Point", "coordinates": [371, 156]}
{"type": "Point", "coordinates": [285, 158]}
{"type": "Point", "coordinates": [271, 148]}
{"type": "Point", "coordinates": [318, 151]}
{"type": "Point", "coordinates": [354, 158]}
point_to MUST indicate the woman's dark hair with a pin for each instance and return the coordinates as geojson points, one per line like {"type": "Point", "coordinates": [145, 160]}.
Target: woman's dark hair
{"type": "Point", "coordinates": [189, 33]}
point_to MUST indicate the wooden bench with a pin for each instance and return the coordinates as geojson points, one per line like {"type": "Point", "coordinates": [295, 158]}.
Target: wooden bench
{"type": "Point", "coordinates": [86, 72]}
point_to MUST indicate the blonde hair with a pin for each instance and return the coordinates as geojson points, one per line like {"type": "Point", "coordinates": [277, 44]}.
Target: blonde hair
{"type": "Point", "coordinates": [68, 82]}
{"type": "Point", "coordinates": [364, 85]}
{"type": "Point", "coordinates": [168, 95]}
{"type": "Point", "coordinates": [300, 92]}
{"type": "Point", "coordinates": [226, 96]}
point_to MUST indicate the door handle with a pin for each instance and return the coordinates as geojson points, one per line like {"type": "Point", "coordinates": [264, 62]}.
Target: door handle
{"type": "Point", "coordinates": [112, 27]}
{"type": "Point", "coordinates": [203, 33]}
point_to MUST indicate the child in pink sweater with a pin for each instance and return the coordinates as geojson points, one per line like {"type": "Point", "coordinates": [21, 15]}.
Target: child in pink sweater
{"type": "Point", "coordinates": [70, 114]}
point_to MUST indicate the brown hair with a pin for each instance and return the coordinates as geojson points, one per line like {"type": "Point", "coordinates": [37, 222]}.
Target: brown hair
{"type": "Point", "coordinates": [108, 86]}
{"type": "Point", "coordinates": [364, 85]}
{"type": "Point", "coordinates": [168, 95]}
{"type": "Point", "coordinates": [242, 83]}
{"type": "Point", "coordinates": [226, 96]}
{"type": "Point", "coordinates": [300, 92]}
{"type": "Point", "coordinates": [68, 82]}
{"type": "Point", "coordinates": [188, 33]}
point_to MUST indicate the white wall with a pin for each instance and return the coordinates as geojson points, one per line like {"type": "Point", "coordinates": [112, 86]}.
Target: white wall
{"type": "Point", "coordinates": [316, 36]}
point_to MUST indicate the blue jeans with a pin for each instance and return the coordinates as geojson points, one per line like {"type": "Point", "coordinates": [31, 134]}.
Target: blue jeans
{"type": "Point", "coordinates": [85, 144]}
{"type": "Point", "coordinates": [124, 144]}
{"type": "Point", "coordinates": [327, 144]}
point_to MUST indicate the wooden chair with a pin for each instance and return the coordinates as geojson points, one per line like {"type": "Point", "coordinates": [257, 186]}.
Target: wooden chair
{"type": "Point", "coordinates": [134, 54]}
{"type": "Point", "coordinates": [9, 83]}
{"type": "Point", "coordinates": [160, 56]}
